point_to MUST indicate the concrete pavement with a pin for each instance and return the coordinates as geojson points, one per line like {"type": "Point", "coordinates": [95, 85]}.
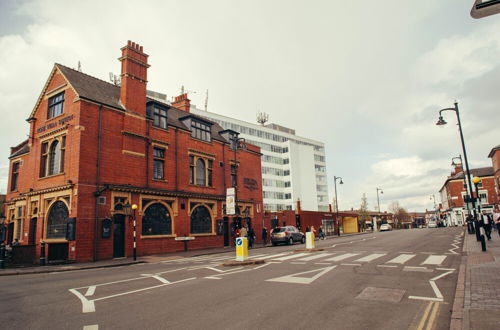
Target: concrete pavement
{"type": "Point", "coordinates": [477, 298]}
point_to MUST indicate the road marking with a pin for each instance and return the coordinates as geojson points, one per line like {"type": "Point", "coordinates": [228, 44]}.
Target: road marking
{"type": "Point", "coordinates": [424, 317]}
{"type": "Point", "coordinates": [222, 271]}
{"type": "Point", "coordinates": [161, 279]}
{"type": "Point", "coordinates": [439, 296]}
{"type": "Point", "coordinates": [342, 257]}
{"type": "Point", "coordinates": [297, 263]}
{"type": "Point", "coordinates": [455, 247]}
{"type": "Point", "coordinates": [401, 259]}
{"type": "Point", "coordinates": [293, 256]}
{"type": "Point", "coordinates": [293, 278]}
{"type": "Point", "coordinates": [88, 306]}
{"type": "Point", "coordinates": [387, 266]}
{"type": "Point", "coordinates": [445, 269]}
{"type": "Point", "coordinates": [213, 278]}
{"type": "Point", "coordinates": [271, 256]}
{"type": "Point", "coordinates": [434, 260]}
{"type": "Point", "coordinates": [432, 318]}
{"type": "Point", "coordinates": [417, 269]}
{"type": "Point", "coordinates": [350, 265]}
{"type": "Point", "coordinates": [322, 263]}
{"type": "Point", "coordinates": [370, 257]}
{"type": "Point", "coordinates": [91, 327]}
{"type": "Point", "coordinates": [90, 291]}
{"type": "Point", "coordinates": [321, 255]}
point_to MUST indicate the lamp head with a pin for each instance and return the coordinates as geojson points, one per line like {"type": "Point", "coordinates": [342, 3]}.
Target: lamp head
{"type": "Point", "coordinates": [341, 182]}
{"type": "Point", "coordinates": [476, 180]}
{"type": "Point", "coordinates": [134, 206]}
{"type": "Point", "coordinates": [441, 121]}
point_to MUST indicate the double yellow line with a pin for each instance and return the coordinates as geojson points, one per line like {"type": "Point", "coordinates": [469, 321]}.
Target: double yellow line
{"type": "Point", "coordinates": [429, 316]}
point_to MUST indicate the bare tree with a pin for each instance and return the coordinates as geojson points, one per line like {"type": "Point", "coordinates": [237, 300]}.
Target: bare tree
{"type": "Point", "coordinates": [363, 211]}
{"type": "Point", "coordinates": [399, 212]}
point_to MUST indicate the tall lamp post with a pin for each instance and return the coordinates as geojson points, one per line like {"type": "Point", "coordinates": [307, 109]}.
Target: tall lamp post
{"type": "Point", "coordinates": [378, 202]}
{"type": "Point", "coordinates": [476, 180]}
{"type": "Point", "coordinates": [442, 122]}
{"type": "Point", "coordinates": [433, 197]}
{"type": "Point", "coordinates": [335, 178]}
{"type": "Point", "coordinates": [468, 192]}
{"type": "Point", "coordinates": [238, 143]}
{"type": "Point", "coordinates": [130, 212]}
{"type": "Point", "coordinates": [2, 239]}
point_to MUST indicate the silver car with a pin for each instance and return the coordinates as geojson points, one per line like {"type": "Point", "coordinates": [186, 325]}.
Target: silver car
{"type": "Point", "coordinates": [287, 235]}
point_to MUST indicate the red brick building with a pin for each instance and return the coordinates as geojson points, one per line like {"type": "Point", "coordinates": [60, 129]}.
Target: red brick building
{"type": "Point", "coordinates": [95, 147]}
{"type": "Point", "coordinates": [453, 193]}
{"type": "Point", "coordinates": [495, 159]}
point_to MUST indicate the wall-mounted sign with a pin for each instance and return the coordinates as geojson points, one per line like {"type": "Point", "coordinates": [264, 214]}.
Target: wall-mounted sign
{"type": "Point", "coordinates": [250, 183]}
{"type": "Point", "coordinates": [230, 201]}
{"type": "Point", "coordinates": [60, 122]}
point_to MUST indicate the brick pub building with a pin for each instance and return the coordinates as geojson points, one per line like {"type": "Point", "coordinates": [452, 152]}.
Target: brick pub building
{"type": "Point", "coordinates": [95, 147]}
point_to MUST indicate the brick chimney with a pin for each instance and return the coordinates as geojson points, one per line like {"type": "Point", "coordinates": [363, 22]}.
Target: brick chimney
{"type": "Point", "coordinates": [182, 102]}
{"type": "Point", "coordinates": [458, 169]}
{"type": "Point", "coordinates": [134, 77]}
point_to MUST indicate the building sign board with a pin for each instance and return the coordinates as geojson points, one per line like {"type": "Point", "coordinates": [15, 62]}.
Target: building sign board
{"type": "Point", "coordinates": [230, 201]}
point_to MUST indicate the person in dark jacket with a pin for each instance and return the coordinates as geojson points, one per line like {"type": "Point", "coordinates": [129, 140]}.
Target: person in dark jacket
{"type": "Point", "coordinates": [264, 236]}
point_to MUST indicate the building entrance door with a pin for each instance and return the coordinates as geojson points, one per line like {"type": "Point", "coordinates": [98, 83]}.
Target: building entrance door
{"type": "Point", "coordinates": [32, 235]}
{"type": "Point", "coordinates": [225, 229]}
{"type": "Point", "coordinates": [118, 235]}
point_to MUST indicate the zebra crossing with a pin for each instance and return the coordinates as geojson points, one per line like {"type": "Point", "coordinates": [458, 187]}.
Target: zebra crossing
{"type": "Point", "coordinates": [385, 259]}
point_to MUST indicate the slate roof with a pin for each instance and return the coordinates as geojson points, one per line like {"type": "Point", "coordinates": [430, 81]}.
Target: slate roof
{"type": "Point", "coordinates": [493, 151]}
{"type": "Point", "coordinates": [480, 172]}
{"type": "Point", "coordinates": [94, 89]}
{"type": "Point", "coordinates": [21, 149]}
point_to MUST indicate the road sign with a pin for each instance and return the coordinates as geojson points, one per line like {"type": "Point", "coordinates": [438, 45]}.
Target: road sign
{"type": "Point", "coordinates": [484, 8]}
{"type": "Point", "coordinates": [241, 249]}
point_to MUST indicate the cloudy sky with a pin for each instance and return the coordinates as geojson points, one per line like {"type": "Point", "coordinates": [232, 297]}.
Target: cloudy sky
{"type": "Point", "coordinates": [367, 77]}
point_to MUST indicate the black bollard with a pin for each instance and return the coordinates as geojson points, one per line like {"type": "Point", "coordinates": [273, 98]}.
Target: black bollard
{"type": "Point", "coordinates": [42, 253]}
{"type": "Point", "coordinates": [2, 256]}
{"type": "Point", "coordinates": [483, 243]}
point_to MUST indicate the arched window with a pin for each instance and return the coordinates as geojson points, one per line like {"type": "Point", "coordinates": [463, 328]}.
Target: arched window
{"type": "Point", "coordinates": [54, 158]}
{"type": "Point", "coordinates": [156, 220]}
{"type": "Point", "coordinates": [57, 220]}
{"type": "Point", "coordinates": [201, 221]}
{"type": "Point", "coordinates": [200, 172]}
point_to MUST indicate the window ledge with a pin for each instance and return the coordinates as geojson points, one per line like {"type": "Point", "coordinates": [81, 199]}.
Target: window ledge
{"type": "Point", "coordinates": [207, 142]}
{"type": "Point", "coordinates": [51, 176]}
{"type": "Point", "coordinates": [160, 180]}
{"type": "Point", "coordinates": [52, 118]}
{"type": "Point", "coordinates": [207, 234]}
{"type": "Point", "coordinates": [198, 186]}
{"type": "Point", "coordinates": [160, 128]}
{"type": "Point", "coordinates": [55, 240]}
{"type": "Point", "coordinates": [157, 236]}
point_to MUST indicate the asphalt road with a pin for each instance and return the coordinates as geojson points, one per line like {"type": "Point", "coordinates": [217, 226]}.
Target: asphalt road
{"type": "Point", "coordinates": [402, 279]}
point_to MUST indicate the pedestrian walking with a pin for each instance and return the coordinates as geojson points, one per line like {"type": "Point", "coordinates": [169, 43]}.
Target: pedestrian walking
{"type": "Point", "coordinates": [244, 232]}
{"type": "Point", "coordinates": [486, 223]}
{"type": "Point", "coordinates": [251, 237]}
{"type": "Point", "coordinates": [321, 233]}
{"type": "Point", "coordinates": [264, 236]}
{"type": "Point", "coordinates": [496, 218]}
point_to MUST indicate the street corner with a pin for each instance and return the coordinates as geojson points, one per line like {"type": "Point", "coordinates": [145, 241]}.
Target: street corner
{"type": "Point", "coordinates": [248, 262]}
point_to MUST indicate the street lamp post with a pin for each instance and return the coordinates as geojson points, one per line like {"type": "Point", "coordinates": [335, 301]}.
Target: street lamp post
{"type": "Point", "coordinates": [335, 178]}
{"type": "Point", "coordinates": [238, 143]}
{"type": "Point", "coordinates": [468, 192]}
{"type": "Point", "coordinates": [441, 122]}
{"type": "Point", "coordinates": [130, 212]}
{"type": "Point", "coordinates": [2, 239]}
{"type": "Point", "coordinates": [476, 180]}
{"type": "Point", "coordinates": [378, 202]}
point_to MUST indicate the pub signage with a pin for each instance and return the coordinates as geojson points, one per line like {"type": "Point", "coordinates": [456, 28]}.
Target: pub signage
{"type": "Point", "coordinates": [61, 121]}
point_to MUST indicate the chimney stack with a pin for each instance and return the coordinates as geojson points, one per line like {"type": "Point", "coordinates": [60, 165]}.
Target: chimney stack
{"type": "Point", "coordinates": [458, 169]}
{"type": "Point", "coordinates": [182, 102]}
{"type": "Point", "coordinates": [134, 77]}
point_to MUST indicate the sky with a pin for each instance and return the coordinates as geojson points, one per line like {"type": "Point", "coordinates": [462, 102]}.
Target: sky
{"type": "Point", "coordinates": [367, 78]}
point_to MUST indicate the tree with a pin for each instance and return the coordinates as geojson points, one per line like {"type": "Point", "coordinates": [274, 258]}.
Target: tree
{"type": "Point", "coordinates": [399, 212]}
{"type": "Point", "coordinates": [363, 210]}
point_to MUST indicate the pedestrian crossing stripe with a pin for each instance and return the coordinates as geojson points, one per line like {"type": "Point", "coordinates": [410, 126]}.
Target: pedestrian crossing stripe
{"type": "Point", "coordinates": [342, 257]}
{"type": "Point", "coordinates": [370, 257]}
{"type": "Point", "coordinates": [293, 256]}
{"type": "Point", "coordinates": [313, 257]}
{"type": "Point", "coordinates": [401, 259]}
{"type": "Point", "coordinates": [434, 260]}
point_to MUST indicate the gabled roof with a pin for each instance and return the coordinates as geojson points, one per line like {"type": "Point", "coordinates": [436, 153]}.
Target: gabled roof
{"type": "Point", "coordinates": [21, 149]}
{"type": "Point", "coordinates": [493, 151]}
{"type": "Point", "coordinates": [479, 172]}
{"type": "Point", "coordinates": [100, 91]}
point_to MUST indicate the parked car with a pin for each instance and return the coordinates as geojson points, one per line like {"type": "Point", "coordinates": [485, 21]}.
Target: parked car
{"type": "Point", "coordinates": [287, 235]}
{"type": "Point", "coordinates": [432, 224]}
{"type": "Point", "coordinates": [385, 227]}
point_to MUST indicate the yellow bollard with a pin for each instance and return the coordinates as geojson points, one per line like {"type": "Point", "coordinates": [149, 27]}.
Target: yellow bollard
{"type": "Point", "coordinates": [241, 249]}
{"type": "Point", "coordinates": [309, 240]}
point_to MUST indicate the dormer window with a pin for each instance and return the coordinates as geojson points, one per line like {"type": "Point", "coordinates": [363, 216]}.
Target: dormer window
{"type": "Point", "coordinates": [160, 117]}
{"type": "Point", "coordinates": [200, 131]}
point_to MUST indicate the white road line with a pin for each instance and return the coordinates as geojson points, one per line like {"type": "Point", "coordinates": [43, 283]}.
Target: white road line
{"type": "Point", "coordinates": [271, 256]}
{"type": "Point", "coordinates": [439, 296]}
{"type": "Point", "coordinates": [293, 278]}
{"type": "Point", "coordinates": [293, 256]}
{"type": "Point", "coordinates": [387, 266]}
{"type": "Point", "coordinates": [350, 264]}
{"type": "Point", "coordinates": [144, 289]}
{"type": "Point", "coordinates": [370, 257]}
{"type": "Point", "coordinates": [342, 257]}
{"type": "Point", "coordinates": [91, 327]}
{"type": "Point", "coordinates": [445, 269]}
{"type": "Point", "coordinates": [322, 263]}
{"type": "Point", "coordinates": [161, 279]}
{"type": "Point", "coordinates": [90, 291]}
{"type": "Point", "coordinates": [401, 259]}
{"type": "Point", "coordinates": [417, 269]}
{"type": "Point", "coordinates": [317, 256]}
{"type": "Point", "coordinates": [222, 271]}
{"type": "Point", "coordinates": [297, 263]}
{"type": "Point", "coordinates": [88, 306]}
{"type": "Point", "coordinates": [434, 260]}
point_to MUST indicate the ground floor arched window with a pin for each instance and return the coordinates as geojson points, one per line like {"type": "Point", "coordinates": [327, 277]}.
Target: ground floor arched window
{"type": "Point", "coordinates": [156, 220]}
{"type": "Point", "coordinates": [201, 220]}
{"type": "Point", "coordinates": [57, 220]}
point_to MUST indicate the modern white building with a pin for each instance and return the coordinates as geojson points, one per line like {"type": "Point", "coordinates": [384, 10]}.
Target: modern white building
{"type": "Point", "coordinates": [293, 167]}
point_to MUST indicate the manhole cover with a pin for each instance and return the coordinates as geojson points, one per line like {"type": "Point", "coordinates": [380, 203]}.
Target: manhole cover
{"type": "Point", "coordinates": [382, 294]}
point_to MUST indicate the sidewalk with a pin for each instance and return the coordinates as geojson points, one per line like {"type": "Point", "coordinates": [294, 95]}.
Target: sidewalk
{"type": "Point", "coordinates": [34, 269]}
{"type": "Point", "coordinates": [478, 287]}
